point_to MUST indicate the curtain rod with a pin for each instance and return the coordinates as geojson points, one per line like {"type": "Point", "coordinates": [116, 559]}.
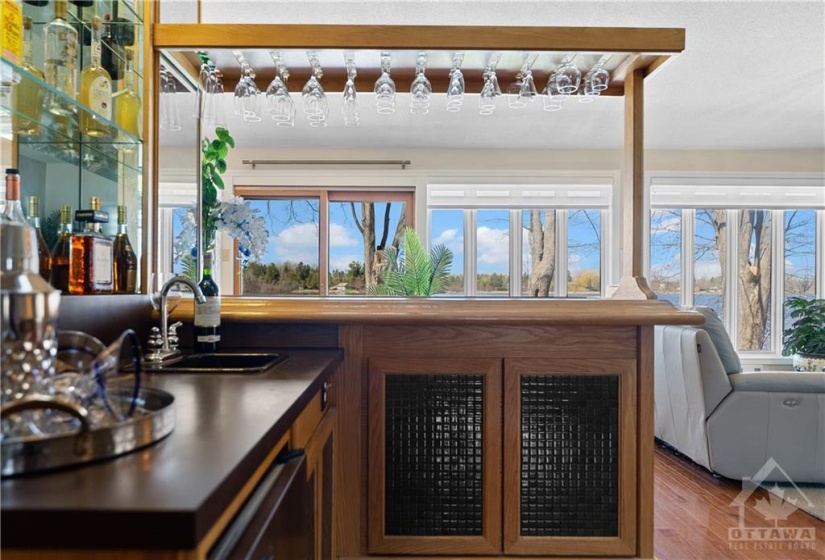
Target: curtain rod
{"type": "Point", "coordinates": [255, 162]}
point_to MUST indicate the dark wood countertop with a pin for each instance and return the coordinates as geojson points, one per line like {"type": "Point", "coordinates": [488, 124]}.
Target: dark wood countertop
{"type": "Point", "coordinates": [169, 494]}
{"type": "Point", "coordinates": [455, 311]}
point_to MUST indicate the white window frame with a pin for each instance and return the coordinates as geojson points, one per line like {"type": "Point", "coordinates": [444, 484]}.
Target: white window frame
{"type": "Point", "coordinates": [561, 194]}
{"type": "Point", "coordinates": [735, 193]}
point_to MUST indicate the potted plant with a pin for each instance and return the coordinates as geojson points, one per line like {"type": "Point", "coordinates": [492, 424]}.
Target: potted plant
{"type": "Point", "coordinates": [410, 271]}
{"type": "Point", "coordinates": [805, 338]}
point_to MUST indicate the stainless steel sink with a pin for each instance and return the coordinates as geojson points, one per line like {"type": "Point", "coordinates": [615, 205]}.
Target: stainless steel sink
{"type": "Point", "coordinates": [216, 363]}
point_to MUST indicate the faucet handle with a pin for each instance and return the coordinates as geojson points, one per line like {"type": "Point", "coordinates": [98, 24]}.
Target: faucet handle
{"type": "Point", "coordinates": [172, 335]}
{"type": "Point", "coordinates": [155, 339]}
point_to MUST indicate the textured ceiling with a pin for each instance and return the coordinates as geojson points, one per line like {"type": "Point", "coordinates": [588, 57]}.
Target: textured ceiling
{"type": "Point", "coordinates": [752, 76]}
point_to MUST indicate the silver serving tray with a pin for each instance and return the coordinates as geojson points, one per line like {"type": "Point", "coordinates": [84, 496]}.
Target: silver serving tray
{"type": "Point", "coordinates": [34, 454]}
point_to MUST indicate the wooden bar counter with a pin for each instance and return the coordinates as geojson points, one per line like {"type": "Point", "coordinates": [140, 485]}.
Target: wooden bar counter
{"type": "Point", "coordinates": [483, 427]}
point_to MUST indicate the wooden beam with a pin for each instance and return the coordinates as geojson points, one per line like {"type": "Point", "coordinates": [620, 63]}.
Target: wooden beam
{"type": "Point", "coordinates": [633, 284]}
{"type": "Point", "coordinates": [485, 38]}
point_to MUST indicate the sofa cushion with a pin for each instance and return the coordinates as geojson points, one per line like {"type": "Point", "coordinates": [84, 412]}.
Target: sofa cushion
{"type": "Point", "coordinates": [719, 336]}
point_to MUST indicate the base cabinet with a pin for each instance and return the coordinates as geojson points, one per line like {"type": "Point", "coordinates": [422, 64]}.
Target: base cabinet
{"type": "Point", "coordinates": [434, 456]}
{"type": "Point", "coordinates": [437, 452]}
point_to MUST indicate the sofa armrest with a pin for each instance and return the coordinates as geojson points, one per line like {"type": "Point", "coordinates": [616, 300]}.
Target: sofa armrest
{"type": "Point", "coordinates": [790, 382]}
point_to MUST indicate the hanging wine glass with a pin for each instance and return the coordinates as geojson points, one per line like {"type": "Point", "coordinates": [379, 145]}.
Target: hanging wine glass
{"type": "Point", "coordinates": [385, 88]}
{"type": "Point", "coordinates": [568, 76]}
{"type": "Point", "coordinates": [455, 89]}
{"type": "Point", "coordinates": [316, 106]}
{"type": "Point", "coordinates": [523, 90]}
{"type": "Point", "coordinates": [349, 108]}
{"type": "Point", "coordinates": [490, 90]}
{"type": "Point", "coordinates": [421, 89]}
{"type": "Point", "coordinates": [552, 99]}
{"type": "Point", "coordinates": [279, 102]}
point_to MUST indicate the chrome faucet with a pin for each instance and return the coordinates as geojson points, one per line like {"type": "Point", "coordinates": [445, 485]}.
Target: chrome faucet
{"type": "Point", "coordinates": [164, 352]}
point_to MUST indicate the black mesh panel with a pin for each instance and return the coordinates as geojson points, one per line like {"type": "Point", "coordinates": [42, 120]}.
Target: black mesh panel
{"type": "Point", "coordinates": [434, 455]}
{"type": "Point", "coordinates": [569, 455]}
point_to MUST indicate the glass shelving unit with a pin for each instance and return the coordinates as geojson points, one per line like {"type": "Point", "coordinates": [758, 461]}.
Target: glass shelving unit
{"type": "Point", "coordinates": [58, 163]}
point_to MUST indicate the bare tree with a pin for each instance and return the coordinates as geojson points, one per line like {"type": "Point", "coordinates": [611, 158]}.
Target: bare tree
{"type": "Point", "coordinates": [542, 239]}
{"type": "Point", "coordinates": [373, 253]}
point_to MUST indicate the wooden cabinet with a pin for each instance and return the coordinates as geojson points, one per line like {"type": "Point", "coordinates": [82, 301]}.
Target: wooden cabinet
{"type": "Point", "coordinates": [319, 452]}
{"type": "Point", "coordinates": [554, 471]}
{"type": "Point", "coordinates": [569, 456]}
{"type": "Point", "coordinates": [434, 456]}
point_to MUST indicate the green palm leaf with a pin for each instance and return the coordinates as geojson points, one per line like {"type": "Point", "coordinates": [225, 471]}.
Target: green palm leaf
{"type": "Point", "coordinates": [410, 271]}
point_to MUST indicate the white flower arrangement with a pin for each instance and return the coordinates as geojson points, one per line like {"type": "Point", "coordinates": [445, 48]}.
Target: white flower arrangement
{"type": "Point", "coordinates": [241, 222]}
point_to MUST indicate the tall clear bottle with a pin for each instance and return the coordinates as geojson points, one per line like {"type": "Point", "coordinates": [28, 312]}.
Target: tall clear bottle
{"type": "Point", "coordinates": [128, 106]}
{"type": "Point", "coordinates": [13, 209]}
{"type": "Point", "coordinates": [125, 260]}
{"type": "Point", "coordinates": [90, 259]}
{"type": "Point", "coordinates": [61, 252]}
{"type": "Point", "coordinates": [61, 60]}
{"type": "Point", "coordinates": [208, 314]}
{"type": "Point", "coordinates": [28, 95]}
{"type": "Point", "coordinates": [95, 91]}
{"type": "Point", "coordinates": [43, 255]}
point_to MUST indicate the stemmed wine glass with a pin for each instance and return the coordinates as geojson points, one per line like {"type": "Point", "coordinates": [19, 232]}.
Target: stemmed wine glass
{"type": "Point", "coordinates": [385, 88]}
{"type": "Point", "coordinates": [316, 105]}
{"type": "Point", "coordinates": [279, 102]}
{"type": "Point", "coordinates": [523, 90]}
{"type": "Point", "coordinates": [490, 90]}
{"type": "Point", "coordinates": [421, 89]}
{"type": "Point", "coordinates": [568, 76]}
{"type": "Point", "coordinates": [455, 89]}
{"type": "Point", "coordinates": [349, 107]}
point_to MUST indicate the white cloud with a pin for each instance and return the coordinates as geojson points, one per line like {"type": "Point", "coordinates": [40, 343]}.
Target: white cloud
{"type": "Point", "coordinates": [339, 236]}
{"type": "Point", "coordinates": [452, 240]}
{"type": "Point", "coordinates": [297, 243]}
{"type": "Point", "coordinates": [493, 246]}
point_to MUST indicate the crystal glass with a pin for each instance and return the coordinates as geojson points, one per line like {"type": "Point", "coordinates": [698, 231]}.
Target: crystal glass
{"type": "Point", "coordinates": [421, 92]}
{"type": "Point", "coordinates": [385, 88]}
{"type": "Point", "coordinates": [568, 77]}
{"type": "Point", "coordinates": [455, 91]}
{"type": "Point", "coordinates": [490, 90]}
{"type": "Point", "coordinates": [279, 103]}
{"type": "Point", "coordinates": [514, 98]}
{"type": "Point", "coordinates": [349, 106]}
{"type": "Point", "coordinates": [552, 99]}
{"type": "Point", "coordinates": [599, 78]}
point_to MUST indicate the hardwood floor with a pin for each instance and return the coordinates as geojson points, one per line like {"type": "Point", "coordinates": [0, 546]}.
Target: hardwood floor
{"type": "Point", "coordinates": [693, 513]}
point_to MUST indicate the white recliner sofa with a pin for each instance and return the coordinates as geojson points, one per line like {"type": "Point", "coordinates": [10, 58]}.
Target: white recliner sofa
{"type": "Point", "coordinates": [733, 423]}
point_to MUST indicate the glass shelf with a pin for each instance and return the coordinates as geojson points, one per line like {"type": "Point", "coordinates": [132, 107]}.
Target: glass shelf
{"type": "Point", "coordinates": [50, 123]}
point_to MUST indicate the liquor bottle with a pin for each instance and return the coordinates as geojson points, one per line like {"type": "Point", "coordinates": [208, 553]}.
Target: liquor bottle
{"type": "Point", "coordinates": [43, 254]}
{"type": "Point", "coordinates": [61, 60]}
{"type": "Point", "coordinates": [62, 251]}
{"type": "Point", "coordinates": [95, 91]}
{"type": "Point", "coordinates": [208, 315]}
{"type": "Point", "coordinates": [28, 94]}
{"type": "Point", "coordinates": [90, 257]}
{"type": "Point", "coordinates": [13, 210]}
{"type": "Point", "coordinates": [125, 260]}
{"type": "Point", "coordinates": [127, 108]}
{"type": "Point", "coordinates": [112, 52]}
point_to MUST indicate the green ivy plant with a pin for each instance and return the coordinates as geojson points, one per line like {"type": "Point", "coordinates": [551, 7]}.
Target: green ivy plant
{"type": "Point", "coordinates": [410, 271]}
{"type": "Point", "coordinates": [807, 334]}
{"type": "Point", "coordinates": [213, 165]}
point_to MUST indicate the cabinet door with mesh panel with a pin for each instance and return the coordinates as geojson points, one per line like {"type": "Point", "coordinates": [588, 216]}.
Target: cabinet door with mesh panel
{"type": "Point", "coordinates": [569, 456]}
{"type": "Point", "coordinates": [434, 456]}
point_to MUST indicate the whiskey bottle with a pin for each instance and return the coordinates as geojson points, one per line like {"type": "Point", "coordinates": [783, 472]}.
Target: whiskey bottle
{"type": "Point", "coordinates": [125, 260]}
{"type": "Point", "coordinates": [208, 314]}
{"type": "Point", "coordinates": [61, 61]}
{"type": "Point", "coordinates": [90, 257]}
{"type": "Point", "coordinates": [95, 91]}
{"type": "Point", "coordinates": [62, 250]}
{"type": "Point", "coordinates": [28, 94]}
{"type": "Point", "coordinates": [43, 255]}
{"type": "Point", "coordinates": [127, 108]}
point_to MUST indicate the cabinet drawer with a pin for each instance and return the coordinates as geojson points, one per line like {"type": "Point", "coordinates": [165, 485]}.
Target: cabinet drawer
{"type": "Point", "coordinates": [276, 522]}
